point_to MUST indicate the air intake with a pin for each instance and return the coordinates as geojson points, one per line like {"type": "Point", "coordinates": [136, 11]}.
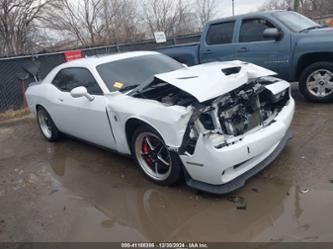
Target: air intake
{"type": "Point", "coordinates": [231, 70]}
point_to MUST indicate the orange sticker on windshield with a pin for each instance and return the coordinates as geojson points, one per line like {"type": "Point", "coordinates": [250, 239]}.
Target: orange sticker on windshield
{"type": "Point", "coordinates": [118, 85]}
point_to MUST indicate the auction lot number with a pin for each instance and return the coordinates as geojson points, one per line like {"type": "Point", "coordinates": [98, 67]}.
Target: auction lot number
{"type": "Point", "coordinates": [170, 245]}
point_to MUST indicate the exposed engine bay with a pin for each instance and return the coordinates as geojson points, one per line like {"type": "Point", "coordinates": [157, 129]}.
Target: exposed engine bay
{"type": "Point", "coordinates": [233, 114]}
{"type": "Point", "coordinates": [243, 109]}
{"type": "Point", "coordinates": [166, 94]}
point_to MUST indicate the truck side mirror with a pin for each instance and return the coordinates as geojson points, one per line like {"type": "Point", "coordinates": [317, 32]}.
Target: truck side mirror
{"type": "Point", "coordinates": [272, 33]}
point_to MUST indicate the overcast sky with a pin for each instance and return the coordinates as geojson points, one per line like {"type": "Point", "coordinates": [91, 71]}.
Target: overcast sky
{"type": "Point", "coordinates": [241, 6]}
{"type": "Point", "coordinates": [225, 6]}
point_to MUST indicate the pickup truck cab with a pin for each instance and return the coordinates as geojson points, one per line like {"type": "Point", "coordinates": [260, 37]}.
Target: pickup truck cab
{"type": "Point", "coordinates": [292, 45]}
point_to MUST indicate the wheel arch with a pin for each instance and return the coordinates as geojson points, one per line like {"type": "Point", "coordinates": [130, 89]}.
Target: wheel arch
{"type": "Point", "coordinates": [307, 59]}
{"type": "Point", "coordinates": [39, 106]}
{"type": "Point", "coordinates": [132, 124]}
{"type": "Point", "coordinates": [178, 169]}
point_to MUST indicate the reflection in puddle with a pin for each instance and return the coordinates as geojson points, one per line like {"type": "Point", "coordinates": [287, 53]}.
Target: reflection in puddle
{"type": "Point", "coordinates": [298, 209]}
{"type": "Point", "coordinates": [138, 210]}
{"type": "Point", "coordinates": [58, 167]}
{"type": "Point", "coordinates": [108, 223]}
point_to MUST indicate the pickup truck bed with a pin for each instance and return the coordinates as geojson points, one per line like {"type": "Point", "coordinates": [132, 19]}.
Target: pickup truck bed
{"type": "Point", "coordinates": [185, 53]}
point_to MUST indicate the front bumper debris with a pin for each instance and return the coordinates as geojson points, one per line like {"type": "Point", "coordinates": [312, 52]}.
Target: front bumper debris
{"type": "Point", "coordinates": [240, 180]}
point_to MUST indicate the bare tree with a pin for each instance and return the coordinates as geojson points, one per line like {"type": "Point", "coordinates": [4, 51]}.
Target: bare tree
{"type": "Point", "coordinates": [276, 5]}
{"type": "Point", "coordinates": [121, 21]}
{"type": "Point", "coordinates": [206, 10]}
{"type": "Point", "coordinates": [169, 16]}
{"type": "Point", "coordinates": [187, 20]}
{"type": "Point", "coordinates": [315, 8]}
{"type": "Point", "coordinates": [311, 8]}
{"type": "Point", "coordinates": [81, 19]}
{"type": "Point", "coordinates": [94, 22]}
{"type": "Point", "coordinates": [18, 22]}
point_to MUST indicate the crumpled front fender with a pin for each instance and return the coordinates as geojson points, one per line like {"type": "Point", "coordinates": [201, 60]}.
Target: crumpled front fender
{"type": "Point", "coordinates": [169, 121]}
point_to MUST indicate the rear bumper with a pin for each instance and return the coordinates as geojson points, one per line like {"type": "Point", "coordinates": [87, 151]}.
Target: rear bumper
{"type": "Point", "coordinates": [240, 180]}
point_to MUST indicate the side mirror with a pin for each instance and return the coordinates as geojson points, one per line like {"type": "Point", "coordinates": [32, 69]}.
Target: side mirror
{"type": "Point", "coordinates": [272, 33]}
{"type": "Point", "coordinates": [185, 65]}
{"type": "Point", "coordinates": [81, 91]}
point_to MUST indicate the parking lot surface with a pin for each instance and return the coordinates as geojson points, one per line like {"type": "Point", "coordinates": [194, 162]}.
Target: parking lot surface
{"type": "Point", "coordinates": [72, 191]}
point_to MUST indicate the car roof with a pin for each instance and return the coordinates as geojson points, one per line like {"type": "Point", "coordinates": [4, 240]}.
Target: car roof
{"type": "Point", "coordinates": [258, 13]}
{"type": "Point", "coordinates": [101, 59]}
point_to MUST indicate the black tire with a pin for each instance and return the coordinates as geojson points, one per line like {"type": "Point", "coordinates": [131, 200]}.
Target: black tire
{"type": "Point", "coordinates": [174, 172]}
{"type": "Point", "coordinates": [306, 77]}
{"type": "Point", "coordinates": [54, 133]}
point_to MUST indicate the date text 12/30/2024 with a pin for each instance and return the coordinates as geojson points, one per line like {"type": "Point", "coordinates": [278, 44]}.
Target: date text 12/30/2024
{"type": "Point", "coordinates": [163, 245]}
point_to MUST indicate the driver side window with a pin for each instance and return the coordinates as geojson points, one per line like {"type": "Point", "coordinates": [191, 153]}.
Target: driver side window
{"type": "Point", "coordinates": [252, 30]}
{"type": "Point", "coordinates": [69, 78]}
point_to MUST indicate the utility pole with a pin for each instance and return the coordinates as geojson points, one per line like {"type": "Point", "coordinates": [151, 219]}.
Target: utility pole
{"type": "Point", "coordinates": [106, 16]}
{"type": "Point", "coordinates": [296, 5]}
{"type": "Point", "coordinates": [233, 7]}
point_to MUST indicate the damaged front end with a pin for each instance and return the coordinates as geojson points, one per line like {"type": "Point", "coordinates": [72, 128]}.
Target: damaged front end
{"type": "Point", "coordinates": [239, 120]}
{"type": "Point", "coordinates": [228, 118]}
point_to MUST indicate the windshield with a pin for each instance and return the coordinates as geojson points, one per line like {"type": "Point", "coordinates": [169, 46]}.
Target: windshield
{"type": "Point", "coordinates": [295, 21]}
{"type": "Point", "coordinates": [131, 72]}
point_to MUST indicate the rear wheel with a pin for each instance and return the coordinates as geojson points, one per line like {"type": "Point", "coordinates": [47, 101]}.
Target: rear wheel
{"type": "Point", "coordinates": [158, 163]}
{"type": "Point", "coordinates": [316, 82]}
{"type": "Point", "coordinates": [46, 125]}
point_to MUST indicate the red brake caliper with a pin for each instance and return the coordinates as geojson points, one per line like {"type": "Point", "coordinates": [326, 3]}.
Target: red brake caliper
{"type": "Point", "coordinates": [146, 152]}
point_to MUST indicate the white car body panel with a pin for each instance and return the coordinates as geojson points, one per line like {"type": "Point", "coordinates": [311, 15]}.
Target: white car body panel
{"type": "Point", "coordinates": [206, 81]}
{"type": "Point", "coordinates": [277, 87]}
{"type": "Point", "coordinates": [151, 112]}
{"type": "Point", "coordinates": [74, 116]}
{"type": "Point", "coordinates": [80, 115]}
{"type": "Point", "coordinates": [103, 120]}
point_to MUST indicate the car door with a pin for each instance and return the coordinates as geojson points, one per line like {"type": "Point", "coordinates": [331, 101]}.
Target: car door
{"type": "Point", "coordinates": [253, 47]}
{"type": "Point", "coordinates": [217, 43]}
{"type": "Point", "coordinates": [80, 117]}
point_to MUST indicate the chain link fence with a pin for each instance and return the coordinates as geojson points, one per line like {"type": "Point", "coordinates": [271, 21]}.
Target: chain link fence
{"type": "Point", "coordinates": [12, 89]}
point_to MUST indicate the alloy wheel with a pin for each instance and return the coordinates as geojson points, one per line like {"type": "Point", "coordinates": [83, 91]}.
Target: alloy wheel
{"type": "Point", "coordinates": [320, 83]}
{"type": "Point", "coordinates": [45, 123]}
{"type": "Point", "coordinates": [153, 156]}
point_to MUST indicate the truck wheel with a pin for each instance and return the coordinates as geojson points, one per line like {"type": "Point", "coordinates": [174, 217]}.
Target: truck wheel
{"type": "Point", "coordinates": [316, 82]}
{"type": "Point", "coordinates": [46, 125]}
{"type": "Point", "coordinates": [159, 164]}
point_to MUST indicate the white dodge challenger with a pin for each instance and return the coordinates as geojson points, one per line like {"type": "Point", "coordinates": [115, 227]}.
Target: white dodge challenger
{"type": "Point", "coordinates": [215, 124]}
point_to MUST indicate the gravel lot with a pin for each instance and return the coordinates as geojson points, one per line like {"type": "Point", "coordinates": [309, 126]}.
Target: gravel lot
{"type": "Point", "coordinates": [72, 191]}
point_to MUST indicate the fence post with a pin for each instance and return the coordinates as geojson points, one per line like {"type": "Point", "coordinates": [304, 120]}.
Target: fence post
{"type": "Point", "coordinates": [174, 36]}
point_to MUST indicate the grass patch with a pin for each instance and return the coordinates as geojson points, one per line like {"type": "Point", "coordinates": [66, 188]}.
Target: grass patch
{"type": "Point", "coordinates": [13, 114]}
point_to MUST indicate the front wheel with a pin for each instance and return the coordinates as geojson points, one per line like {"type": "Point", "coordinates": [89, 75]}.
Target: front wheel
{"type": "Point", "coordinates": [158, 163]}
{"type": "Point", "coordinates": [316, 82]}
{"type": "Point", "coordinates": [46, 125]}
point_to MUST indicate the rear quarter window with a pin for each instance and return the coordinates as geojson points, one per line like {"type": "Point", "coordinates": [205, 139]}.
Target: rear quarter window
{"type": "Point", "coordinates": [69, 78]}
{"type": "Point", "coordinates": [220, 33]}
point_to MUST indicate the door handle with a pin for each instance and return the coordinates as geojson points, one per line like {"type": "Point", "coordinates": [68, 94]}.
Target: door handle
{"type": "Point", "coordinates": [243, 50]}
{"type": "Point", "coordinates": [61, 99]}
{"type": "Point", "coordinates": [208, 51]}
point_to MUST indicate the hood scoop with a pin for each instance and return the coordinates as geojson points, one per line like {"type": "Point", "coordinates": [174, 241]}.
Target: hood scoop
{"type": "Point", "coordinates": [210, 80]}
{"type": "Point", "coordinates": [231, 70]}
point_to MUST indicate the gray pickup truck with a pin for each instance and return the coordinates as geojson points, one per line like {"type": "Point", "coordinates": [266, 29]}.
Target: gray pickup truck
{"type": "Point", "coordinates": [292, 45]}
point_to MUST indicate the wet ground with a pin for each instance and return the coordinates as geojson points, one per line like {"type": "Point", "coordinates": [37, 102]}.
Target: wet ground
{"type": "Point", "coordinates": [72, 191]}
